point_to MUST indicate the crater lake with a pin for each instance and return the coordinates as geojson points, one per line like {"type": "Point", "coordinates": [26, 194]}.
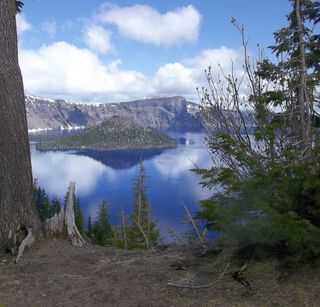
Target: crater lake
{"type": "Point", "coordinates": [110, 175]}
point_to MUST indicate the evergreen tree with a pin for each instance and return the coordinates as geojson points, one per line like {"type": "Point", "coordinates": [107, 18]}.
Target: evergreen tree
{"type": "Point", "coordinates": [55, 206]}
{"type": "Point", "coordinates": [16, 207]}
{"type": "Point", "coordinates": [102, 230]}
{"type": "Point", "coordinates": [78, 215]}
{"type": "Point", "coordinates": [41, 201]}
{"type": "Point", "coordinates": [121, 231]}
{"type": "Point", "coordinates": [89, 228]}
{"type": "Point", "coordinates": [142, 232]}
{"type": "Point", "coordinates": [266, 145]}
{"type": "Point", "coordinates": [45, 205]}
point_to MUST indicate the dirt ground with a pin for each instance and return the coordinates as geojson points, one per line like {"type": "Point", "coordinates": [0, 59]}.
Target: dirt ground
{"type": "Point", "coordinates": [56, 274]}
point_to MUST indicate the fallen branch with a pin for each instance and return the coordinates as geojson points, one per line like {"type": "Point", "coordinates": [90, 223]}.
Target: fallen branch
{"type": "Point", "coordinates": [200, 286]}
{"type": "Point", "coordinates": [192, 286]}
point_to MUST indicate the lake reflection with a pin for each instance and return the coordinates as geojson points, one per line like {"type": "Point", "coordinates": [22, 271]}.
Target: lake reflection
{"type": "Point", "coordinates": [110, 175]}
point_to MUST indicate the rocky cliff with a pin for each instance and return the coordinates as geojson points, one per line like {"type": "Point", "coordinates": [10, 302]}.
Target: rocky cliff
{"type": "Point", "coordinates": [165, 113]}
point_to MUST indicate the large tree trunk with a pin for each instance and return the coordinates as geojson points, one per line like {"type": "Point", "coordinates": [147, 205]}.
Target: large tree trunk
{"type": "Point", "coordinates": [17, 211]}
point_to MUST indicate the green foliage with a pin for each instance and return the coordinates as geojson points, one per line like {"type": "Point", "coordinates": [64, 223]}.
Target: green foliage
{"type": "Point", "coordinates": [19, 6]}
{"type": "Point", "coordinates": [276, 207]}
{"type": "Point", "coordinates": [269, 181]}
{"type": "Point", "coordinates": [78, 215]}
{"type": "Point", "coordinates": [55, 206]}
{"type": "Point", "coordinates": [113, 133]}
{"type": "Point", "coordinates": [89, 228]}
{"type": "Point", "coordinates": [44, 208]}
{"type": "Point", "coordinates": [142, 231]}
{"type": "Point", "coordinates": [102, 230]}
{"type": "Point", "coordinates": [41, 201]}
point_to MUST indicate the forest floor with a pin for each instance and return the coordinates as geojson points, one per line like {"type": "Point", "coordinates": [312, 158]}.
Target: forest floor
{"type": "Point", "coordinates": [57, 274]}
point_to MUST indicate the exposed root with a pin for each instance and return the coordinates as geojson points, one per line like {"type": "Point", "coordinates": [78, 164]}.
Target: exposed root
{"type": "Point", "coordinates": [27, 242]}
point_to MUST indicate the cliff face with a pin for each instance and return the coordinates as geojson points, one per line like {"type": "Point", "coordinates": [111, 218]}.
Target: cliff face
{"type": "Point", "coordinates": [168, 113]}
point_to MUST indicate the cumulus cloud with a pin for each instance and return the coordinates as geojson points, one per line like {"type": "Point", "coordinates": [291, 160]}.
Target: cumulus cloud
{"type": "Point", "coordinates": [175, 78]}
{"type": "Point", "coordinates": [22, 24]}
{"type": "Point", "coordinates": [223, 56]}
{"type": "Point", "coordinates": [97, 38]}
{"type": "Point", "coordinates": [64, 69]}
{"type": "Point", "coordinates": [143, 23]}
{"type": "Point", "coordinates": [49, 27]}
{"type": "Point", "coordinates": [182, 78]}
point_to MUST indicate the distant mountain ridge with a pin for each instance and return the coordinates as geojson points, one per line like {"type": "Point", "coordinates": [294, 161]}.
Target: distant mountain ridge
{"type": "Point", "coordinates": [161, 113]}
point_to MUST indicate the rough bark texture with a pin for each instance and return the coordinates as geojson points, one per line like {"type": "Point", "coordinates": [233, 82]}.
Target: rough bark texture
{"type": "Point", "coordinates": [304, 106]}
{"type": "Point", "coordinates": [16, 208]}
{"type": "Point", "coordinates": [63, 224]}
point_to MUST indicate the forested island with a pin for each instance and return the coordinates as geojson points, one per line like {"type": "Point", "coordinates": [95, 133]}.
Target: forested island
{"type": "Point", "coordinates": [113, 133]}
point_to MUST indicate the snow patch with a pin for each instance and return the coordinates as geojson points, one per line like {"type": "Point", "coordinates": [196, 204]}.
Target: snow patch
{"type": "Point", "coordinates": [39, 129]}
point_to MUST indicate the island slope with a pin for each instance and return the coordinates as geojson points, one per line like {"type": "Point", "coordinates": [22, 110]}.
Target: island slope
{"type": "Point", "coordinates": [113, 133]}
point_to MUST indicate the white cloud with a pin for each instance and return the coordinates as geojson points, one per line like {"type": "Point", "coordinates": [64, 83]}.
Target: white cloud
{"type": "Point", "coordinates": [143, 23]}
{"type": "Point", "coordinates": [175, 78]}
{"type": "Point", "coordinates": [22, 24]}
{"type": "Point", "coordinates": [97, 38]}
{"type": "Point", "coordinates": [49, 27]}
{"type": "Point", "coordinates": [223, 56]}
{"type": "Point", "coordinates": [66, 70]}
{"type": "Point", "coordinates": [182, 78]}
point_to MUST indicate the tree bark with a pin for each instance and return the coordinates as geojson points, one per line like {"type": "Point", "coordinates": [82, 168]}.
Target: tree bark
{"type": "Point", "coordinates": [63, 224]}
{"type": "Point", "coordinates": [17, 210]}
{"type": "Point", "coordinates": [304, 107]}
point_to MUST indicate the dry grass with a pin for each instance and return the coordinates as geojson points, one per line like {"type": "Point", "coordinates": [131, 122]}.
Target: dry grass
{"type": "Point", "coordinates": [56, 274]}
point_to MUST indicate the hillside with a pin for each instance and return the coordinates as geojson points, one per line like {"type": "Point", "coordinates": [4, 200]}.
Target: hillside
{"type": "Point", "coordinates": [166, 113]}
{"type": "Point", "coordinates": [113, 133]}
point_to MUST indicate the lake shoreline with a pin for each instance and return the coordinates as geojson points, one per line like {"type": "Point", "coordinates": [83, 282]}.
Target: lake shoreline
{"type": "Point", "coordinates": [66, 148]}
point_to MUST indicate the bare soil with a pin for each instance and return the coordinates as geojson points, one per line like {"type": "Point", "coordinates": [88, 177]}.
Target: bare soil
{"type": "Point", "coordinates": [57, 274]}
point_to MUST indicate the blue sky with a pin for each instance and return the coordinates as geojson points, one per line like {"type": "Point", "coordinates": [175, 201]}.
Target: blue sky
{"type": "Point", "coordinates": [97, 51]}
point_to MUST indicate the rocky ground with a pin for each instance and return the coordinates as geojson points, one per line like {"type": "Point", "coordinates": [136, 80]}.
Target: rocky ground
{"type": "Point", "coordinates": [56, 274]}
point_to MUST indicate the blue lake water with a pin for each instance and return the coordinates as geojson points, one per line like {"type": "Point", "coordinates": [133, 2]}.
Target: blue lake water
{"type": "Point", "coordinates": [110, 175]}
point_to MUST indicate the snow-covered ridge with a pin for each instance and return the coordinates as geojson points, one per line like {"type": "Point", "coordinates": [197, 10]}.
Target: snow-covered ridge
{"type": "Point", "coordinates": [59, 128]}
{"type": "Point", "coordinates": [164, 113]}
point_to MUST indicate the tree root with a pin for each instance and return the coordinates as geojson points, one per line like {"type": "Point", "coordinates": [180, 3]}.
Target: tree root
{"type": "Point", "coordinates": [27, 242]}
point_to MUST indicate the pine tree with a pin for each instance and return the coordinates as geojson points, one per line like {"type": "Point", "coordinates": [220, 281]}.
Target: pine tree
{"type": "Point", "coordinates": [78, 215]}
{"type": "Point", "coordinates": [55, 206]}
{"type": "Point", "coordinates": [89, 228]}
{"type": "Point", "coordinates": [102, 230]}
{"type": "Point", "coordinates": [41, 201]}
{"type": "Point", "coordinates": [266, 145]}
{"type": "Point", "coordinates": [17, 210]}
{"type": "Point", "coordinates": [45, 206]}
{"type": "Point", "coordinates": [142, 232]}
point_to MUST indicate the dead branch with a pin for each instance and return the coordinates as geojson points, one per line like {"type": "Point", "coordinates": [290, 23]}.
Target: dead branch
{"type": "Point", "coordinates": [239, 276]}
{"type": "Point", "coordinates": [192, 286]}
